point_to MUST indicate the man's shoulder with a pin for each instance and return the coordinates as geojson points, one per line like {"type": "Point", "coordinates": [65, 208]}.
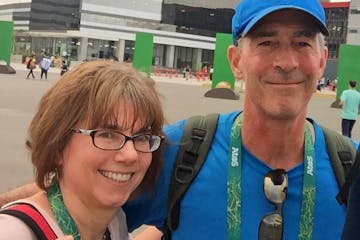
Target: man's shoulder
{"type": "Point", "coordinates": [345, 92]}
{"type": "Point", "coordinates": [175, 131]}
{"type": "Point", "coordinates": [179, 125]}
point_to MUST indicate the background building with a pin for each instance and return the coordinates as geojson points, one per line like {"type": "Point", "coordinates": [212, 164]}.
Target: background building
{"type": "Point", "coordinates": [184, 30]}
{"type": "Point", "coordinates": [353, 34]}
{"type": "Point", "coordinates": [337, 23]}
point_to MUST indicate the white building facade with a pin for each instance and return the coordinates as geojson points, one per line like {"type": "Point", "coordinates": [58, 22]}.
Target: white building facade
{"type": "Point", "coordinates": [353, 36]}
{"type": "Point", "coordinates": [91, 29]}
{"type": "Point", "coordinates": [184, 30]}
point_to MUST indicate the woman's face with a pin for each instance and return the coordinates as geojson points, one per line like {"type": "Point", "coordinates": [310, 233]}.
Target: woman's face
{"type": "Point", "coordinates": [102, 178]}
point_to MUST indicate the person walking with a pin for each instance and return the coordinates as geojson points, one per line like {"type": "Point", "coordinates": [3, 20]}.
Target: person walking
{"type": "Point", "coordinates": [187, 72]}
{"type": "Point", "coordinates": [44, 66]}
{"type": "Point", "coordinates": [350, 103]}
{"type": "Point", "coordinates": [31, 65]}
{"type": "Point", "coordinates": [64, 68]}
{"type": "Point", "coordinates": [211, 72]}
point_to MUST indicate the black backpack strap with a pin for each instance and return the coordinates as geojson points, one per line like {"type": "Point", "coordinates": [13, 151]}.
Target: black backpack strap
{"type": "Point", "coordinates": [342, 153]}
{"type": "Point", "coordinates": [33, 219]}
{"type": "Point", "coordinates": [343, 195]}
{"type": "Point", "coordinates": [195, 143]}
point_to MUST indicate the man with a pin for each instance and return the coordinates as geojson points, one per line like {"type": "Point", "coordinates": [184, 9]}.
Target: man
{"type": "Point", "coordinates": [284, 189]}
{"type": "Point", "coordinates": [259, 179]}
{"type": "Point", "coordinates": [350, 102]}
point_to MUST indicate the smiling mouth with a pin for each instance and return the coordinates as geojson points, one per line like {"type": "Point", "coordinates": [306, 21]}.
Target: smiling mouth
{"type": "Point", "coordinates": [284, 83]}
{"type": "Point", "coordinates": [118, 177]}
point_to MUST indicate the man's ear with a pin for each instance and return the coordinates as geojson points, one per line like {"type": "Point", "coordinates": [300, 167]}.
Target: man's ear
{"type": "Point", "coordinates": [323, 61]}
{"type": "Point", "coordinates": [234, 56]}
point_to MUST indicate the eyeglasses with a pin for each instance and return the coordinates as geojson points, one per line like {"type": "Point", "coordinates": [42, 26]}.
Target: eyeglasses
{"type": "Point", "coordinates": [113, 140]}
{"type": "Point", "coordinates": [275, 189]}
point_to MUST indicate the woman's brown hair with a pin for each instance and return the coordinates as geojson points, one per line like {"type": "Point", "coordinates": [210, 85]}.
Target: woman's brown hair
{"type": "Point", "coordinates": [91, 93]}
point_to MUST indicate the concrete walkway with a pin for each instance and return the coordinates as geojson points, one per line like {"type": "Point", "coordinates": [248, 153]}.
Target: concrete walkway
{"type": "Point", "coordinates": [177, 80]}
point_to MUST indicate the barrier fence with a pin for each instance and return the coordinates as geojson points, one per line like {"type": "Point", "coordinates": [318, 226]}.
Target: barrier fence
{"type": "Point", "coordinates": [176, 73]}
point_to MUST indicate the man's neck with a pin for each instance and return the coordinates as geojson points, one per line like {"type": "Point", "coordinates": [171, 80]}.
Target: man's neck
{"type": "Point", "coordinates": [279, 144]}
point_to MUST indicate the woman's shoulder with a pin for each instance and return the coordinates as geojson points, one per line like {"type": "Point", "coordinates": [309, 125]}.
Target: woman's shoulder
{"type": "Point", "coordinates": [14, 222]}
{"type": "Point", "coordinates": [13, 228]}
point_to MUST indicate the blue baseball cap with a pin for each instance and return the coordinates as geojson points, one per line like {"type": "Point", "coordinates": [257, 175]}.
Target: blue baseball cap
{"type": "Point", "coordinates": [249, 12]}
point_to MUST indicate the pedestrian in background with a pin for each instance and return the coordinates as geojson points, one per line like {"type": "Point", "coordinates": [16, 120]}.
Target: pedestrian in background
{"type": "Point", "coordinates": [31, 65]}
{"type": "Point", "coordinates": [187, 71]}
{"type": "Point", "coordinates": [211, 71]}
{"type": "Point", "coordinates": [350, 102]}
{"type": "Point", "coordinates": [45, 65]}
{"type": "Point", "coordinates": [64, 68]}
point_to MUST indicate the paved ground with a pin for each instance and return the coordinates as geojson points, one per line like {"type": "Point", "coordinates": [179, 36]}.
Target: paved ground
{"type": "Point", "coordinates": [181, 98]}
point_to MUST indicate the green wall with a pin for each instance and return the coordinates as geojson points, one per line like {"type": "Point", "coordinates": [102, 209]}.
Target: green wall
{"type": "Point", "coordinates": [348, 68]}
{"type": "Point", "coordinates": [6, 41]}
{"type": "Point", "coordinates": [222, 69]}
{"type": "Point", "coordinates": [143, 52]}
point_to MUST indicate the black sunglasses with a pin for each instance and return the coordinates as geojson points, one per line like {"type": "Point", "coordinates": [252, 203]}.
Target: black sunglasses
{"type": "Point", "coordinates": [275, 188]}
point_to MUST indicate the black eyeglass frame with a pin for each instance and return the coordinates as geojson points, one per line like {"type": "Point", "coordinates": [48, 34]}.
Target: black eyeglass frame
{"type": "Point", "coordinates": [92, 133]}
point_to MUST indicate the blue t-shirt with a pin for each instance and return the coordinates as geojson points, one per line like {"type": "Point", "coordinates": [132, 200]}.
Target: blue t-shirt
{"type": "Point", "coordinates": [203, 209]}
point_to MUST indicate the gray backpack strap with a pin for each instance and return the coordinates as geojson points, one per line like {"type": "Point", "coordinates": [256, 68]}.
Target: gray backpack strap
{"type": "Point", "coordinates": [342, 154]}
{"type": "Point", "coordinates": [195, 144]}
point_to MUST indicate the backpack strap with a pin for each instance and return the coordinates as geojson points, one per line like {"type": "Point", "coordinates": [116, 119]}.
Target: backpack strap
{"type": "Point", "coordinates": [342, 153]}
{"type": "Point", "coordinates": [344, 192]}
{"type": "Point", "coordinates": [33, 219]}
{"type": "Point", "coordinates": [195, 143]}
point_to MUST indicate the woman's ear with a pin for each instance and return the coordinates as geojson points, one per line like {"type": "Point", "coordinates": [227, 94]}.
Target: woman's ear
{"type": "Point", "coordinates": [234, 56]}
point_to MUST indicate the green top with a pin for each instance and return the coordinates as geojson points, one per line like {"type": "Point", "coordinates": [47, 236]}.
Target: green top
{"type": "Point", "coordinates": [351, 103]}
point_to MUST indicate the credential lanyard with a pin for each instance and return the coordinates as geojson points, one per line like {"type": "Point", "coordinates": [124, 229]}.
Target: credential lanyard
{"type": "Point", "coordinates": [66, 223]}
{"type": "Point", "coordinates": [234, 184]}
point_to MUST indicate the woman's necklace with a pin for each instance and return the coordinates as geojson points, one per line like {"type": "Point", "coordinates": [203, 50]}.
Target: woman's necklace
{"type": "Point", "coordinates": [106, 235]}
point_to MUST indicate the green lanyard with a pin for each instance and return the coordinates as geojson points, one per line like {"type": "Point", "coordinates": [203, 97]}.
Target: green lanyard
{"type": "Point", "coordinates": [234, 185]}
{"type": "Point", "coordinates": [66, 223]}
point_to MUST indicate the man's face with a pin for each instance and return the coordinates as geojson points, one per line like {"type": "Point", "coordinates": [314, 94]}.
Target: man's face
{"type": "Point", "coordinates": [281, 60]}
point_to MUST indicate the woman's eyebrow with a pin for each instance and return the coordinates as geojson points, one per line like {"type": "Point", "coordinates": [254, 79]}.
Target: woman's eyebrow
{"type": "Point", "coordinates": [144, 130]}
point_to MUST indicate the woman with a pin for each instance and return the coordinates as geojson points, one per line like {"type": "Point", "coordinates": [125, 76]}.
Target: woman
{"type": "Point", "coordinates": [31, 65]}
{"type": "Point", "coordinates": [95, 142]}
